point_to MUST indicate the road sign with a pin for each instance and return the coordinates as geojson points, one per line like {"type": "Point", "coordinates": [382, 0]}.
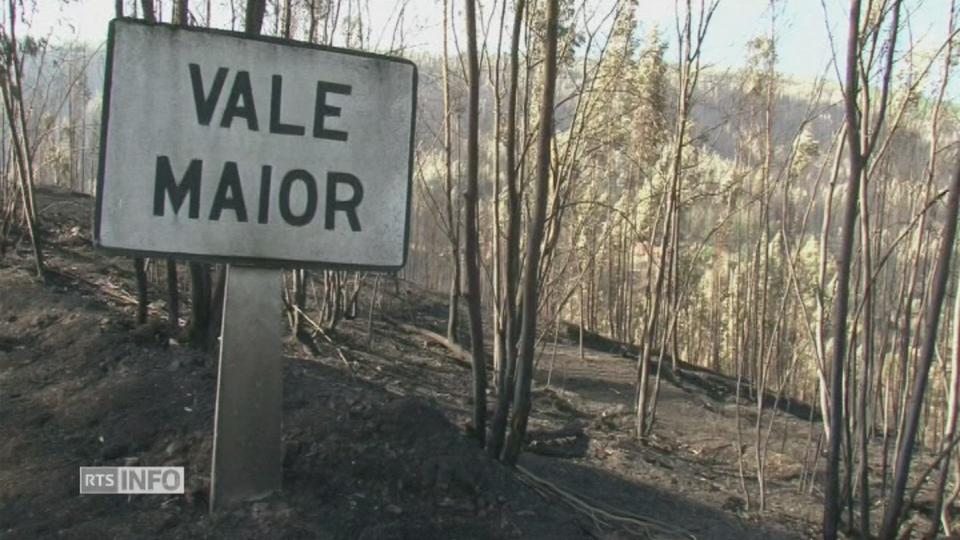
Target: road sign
{"type": "Point", "coordinates": [257, 152]}
{"type": "Point", "coordinates": [222, 146]}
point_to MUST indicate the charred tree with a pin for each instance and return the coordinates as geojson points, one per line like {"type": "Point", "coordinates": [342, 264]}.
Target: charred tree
{"type": "Point", "coordinates": [471, 229]}
{"type": "Point", "coordinates": [140, 270]}
{"type": "Point", "coordinates": [505, 333]}
{"type": "Point", "coordinates": [832, 503]}
{"type": "Point", "coordinates": [535, 229]}
{"type": "Point", "coordinates": [941, 274]}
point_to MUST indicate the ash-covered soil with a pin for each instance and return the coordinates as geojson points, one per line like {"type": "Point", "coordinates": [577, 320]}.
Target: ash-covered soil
{"type": "Point", "coordinates": [374, 442]}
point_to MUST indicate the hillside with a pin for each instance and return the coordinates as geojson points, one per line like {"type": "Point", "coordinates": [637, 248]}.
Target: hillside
{"type": "Point", "coordinates": [373, 447]}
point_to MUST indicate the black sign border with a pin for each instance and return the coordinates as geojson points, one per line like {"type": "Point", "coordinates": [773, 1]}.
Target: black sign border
{"type": "Point", "coordinates": [244, 261]}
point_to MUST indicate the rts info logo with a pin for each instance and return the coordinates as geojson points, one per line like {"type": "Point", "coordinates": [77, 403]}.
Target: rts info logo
{"type": "Point", "coordinates": [131, 480]}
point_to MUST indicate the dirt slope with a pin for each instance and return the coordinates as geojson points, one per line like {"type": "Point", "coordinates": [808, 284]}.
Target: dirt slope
{"type": "Point", "coordinates": [372, 436]}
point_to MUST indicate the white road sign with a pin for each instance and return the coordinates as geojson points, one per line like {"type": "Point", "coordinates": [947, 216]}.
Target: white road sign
{"type": "Point", "coordinates": [221, 146]}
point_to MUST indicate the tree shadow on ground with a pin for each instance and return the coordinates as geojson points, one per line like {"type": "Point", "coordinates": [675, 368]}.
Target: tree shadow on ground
{"type": "Point", "coordinates": [612, 492]}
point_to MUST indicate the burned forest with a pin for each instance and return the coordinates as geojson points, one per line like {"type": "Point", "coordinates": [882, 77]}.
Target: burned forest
{"type": "Point", "coordinates": [548, 269]}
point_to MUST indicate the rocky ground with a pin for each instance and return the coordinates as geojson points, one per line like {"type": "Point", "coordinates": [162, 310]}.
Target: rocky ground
{"type": "Point", "coordinates": [373, 428]}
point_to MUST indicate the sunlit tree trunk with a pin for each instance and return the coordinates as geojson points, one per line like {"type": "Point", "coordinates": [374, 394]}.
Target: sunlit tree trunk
{"type": "Point", "coordinates": [453, 225]}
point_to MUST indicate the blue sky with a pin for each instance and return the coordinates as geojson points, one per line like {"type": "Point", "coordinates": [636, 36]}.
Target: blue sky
{"type": "Point", "coordinates": [802, 25]}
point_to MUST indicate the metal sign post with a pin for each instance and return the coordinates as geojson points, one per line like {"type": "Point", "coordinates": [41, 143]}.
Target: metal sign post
{"type": "Point", "coordinates": [247, 453]}
{"type": "Point", "coordinates": [261, 153]}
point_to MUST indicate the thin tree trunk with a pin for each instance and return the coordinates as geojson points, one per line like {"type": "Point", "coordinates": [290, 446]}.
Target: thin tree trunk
{"type": "Point", "coordinates": [199, 304]}
{"type": "Point", "coordinates": [821, 328]}
{"type": "Point", "coordinates": [891, 518]}
{"type": "Point", "coordinates": [300, 280]}
{"type": "Point", "coordinates": [149, 14]}
{"type": "Point", "coordinates": [472, 240]}
{"type": "Point", "coordinates": [173, 297]}
{"type": "Point", "coordinates": [453, 225]}
{"type": "Point", "coordinates": [939, 515]}
{"type": "Point", "coordinates": [287, 18]}
{"type": "Point", "coordinates": [495, 217]}
{"type": "Point", "coordinates": [140, 269]}
{"type": "Point", "coordinates": [866, 268]}
{"type": "Point", "coordinates": [531, 289]}
{"type": "Point", "coordinates": [831, 513]}
{"type": "Point", "coordinates": [373, 303]}
{"type": "Point", "coordinates": [511, 256]}
{"type": "Point", "coordinates": [254, 16]}
{"type": "Point", "coordinates": [181, 12]}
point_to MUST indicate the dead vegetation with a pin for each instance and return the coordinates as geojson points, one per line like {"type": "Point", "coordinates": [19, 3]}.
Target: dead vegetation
{"type": "Point", "coordinates": [373, 429]}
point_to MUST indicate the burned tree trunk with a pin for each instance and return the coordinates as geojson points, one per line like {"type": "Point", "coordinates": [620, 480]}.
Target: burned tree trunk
{"type": "Point", "coordinates": [140, 269]}
{"type": "Point", "coordinates": [941, 274]}
{"type": "Point", "coordinates": [11, 84]}
{"type": "Point", "coordinates": [531, 286]}
{"type": "Point", "coordinates": [472, 239]}
{"type": "Point", "coordinates": [199, 304]}
{"type": "Point", "coordinates": [831, 511]}
{"type": "Point", "coordinates": [453, 225]}
{"type": "Point", "coordinates": [173, 296]}
{"type": "Point", "coordinates": [508, 312]}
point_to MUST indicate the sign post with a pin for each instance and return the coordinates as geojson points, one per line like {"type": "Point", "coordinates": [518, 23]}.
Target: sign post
{"type": "Point", "coordinates": [263, 154]}
{"type": "Point", "coordinates": [247, 451]}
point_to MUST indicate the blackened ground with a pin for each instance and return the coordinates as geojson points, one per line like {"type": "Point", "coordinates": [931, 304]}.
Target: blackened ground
{"type": "Point", "coordinates": [373, 438]}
